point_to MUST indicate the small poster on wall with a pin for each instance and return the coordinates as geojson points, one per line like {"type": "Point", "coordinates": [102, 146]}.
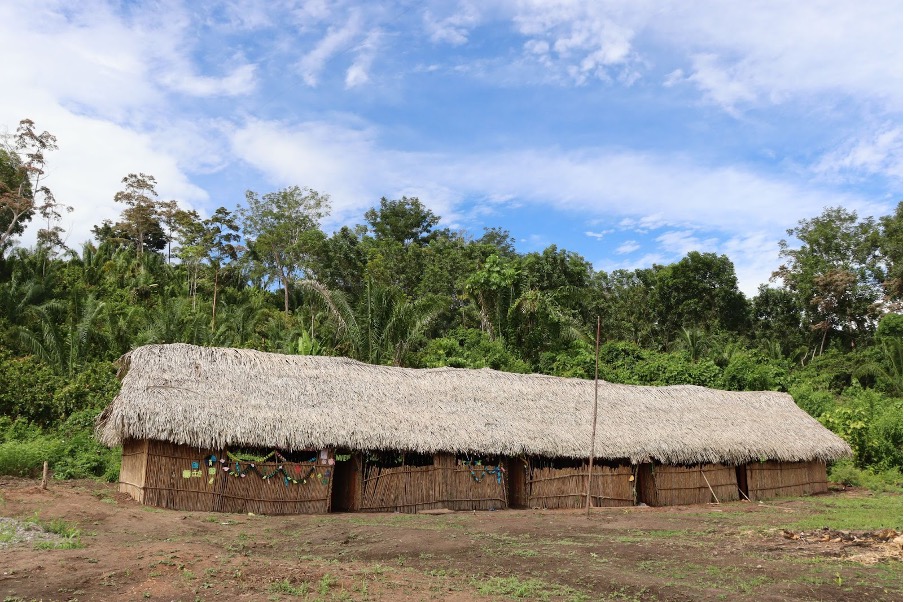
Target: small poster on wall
{"type": "Point", "coordinates": [324, 455]}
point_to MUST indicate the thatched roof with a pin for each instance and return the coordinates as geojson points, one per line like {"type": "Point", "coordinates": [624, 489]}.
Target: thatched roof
{"type": "Point", "coordinates": [209, 397]}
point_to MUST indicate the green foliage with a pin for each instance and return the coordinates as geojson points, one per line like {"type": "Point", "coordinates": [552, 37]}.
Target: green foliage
{"type": "Point", "coordinates": [27, 388]}
{"type": "Point", "coordinates": [750, 371]}
{"type": "Point", "coordinates": [629, 364]}
{"type": "Point", "coordinates": [26, 458]}
{"type": "Point", "coordinates": [845, 472]}
{"type": "Point", "coordinates": [470, 348]}
{"type": "Point", "coordinates": [871, 424]}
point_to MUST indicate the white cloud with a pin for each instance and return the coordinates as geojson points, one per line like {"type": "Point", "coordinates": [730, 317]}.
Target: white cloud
{"type": "Point", "coordinates": [682, 242]}
{"type": "Point", "coordinates": [335, 40]}
{"type": "Point", "coordinates": [645, 191]}
{"type": "Point", "coordinates": [358, 72]}
{"type": "Point", "coordinates": [584, 41]}
{"type": "Point", "coordinates": [878, 152]}
{"type": "Point", "coordinates": [774, 51]}
{"type": "Point", "coordinates": [598, 235]}
{"type": "Point", "coordinates": [629, 246]}
{"type": "Point", "coordinates": [240, 81]}
{"type": "Point", "coordinates": [453, 29]}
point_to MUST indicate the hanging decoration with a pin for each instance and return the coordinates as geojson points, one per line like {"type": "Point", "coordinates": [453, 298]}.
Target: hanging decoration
{"type": "Point", "coordinates": [483, 471]}
{"type": "Point", "coordinates": [292, 473]}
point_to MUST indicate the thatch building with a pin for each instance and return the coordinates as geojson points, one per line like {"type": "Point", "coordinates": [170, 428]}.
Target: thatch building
{"type": "Point", "coordinates": [247, 431]}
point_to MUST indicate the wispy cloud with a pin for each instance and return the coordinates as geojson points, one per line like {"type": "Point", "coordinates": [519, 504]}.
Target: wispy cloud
{"type": "Point", "coordinates": [336, 40]}
{"type": "Point", "coordinates": [583, 41]}
{"type": "Point", "coordinates": [454, 28]}
{"type": "Point", "coordinates": [878, 152]}
{"type": "Point", "coordinates": [629, 246]}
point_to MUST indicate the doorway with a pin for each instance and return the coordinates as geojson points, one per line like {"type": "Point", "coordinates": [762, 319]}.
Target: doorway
{"type": "Point", "coordinates": [348, 479]}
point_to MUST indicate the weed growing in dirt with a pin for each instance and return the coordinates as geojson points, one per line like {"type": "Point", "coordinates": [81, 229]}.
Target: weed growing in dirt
{"type": "Point", "coordinates": [71, 536]}
{"type": "Point", "coordinates": [326, 582]}
{"type": "Point", "coordinates": [284, 586]}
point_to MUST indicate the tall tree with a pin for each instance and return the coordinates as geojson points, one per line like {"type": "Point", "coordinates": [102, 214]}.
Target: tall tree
{"type": "Point", "coordinates": [140, 218]}
{"type": "Point", "coordinates": [283, 232]}
{"type": "Point", "coordinates": [405, 220]}
{"type": "Point", "coordinates": [891, 247]}
{"type": "Point", "coordinates": [22, 188]}
{"type": "Point", "coordinates": [833, 274]}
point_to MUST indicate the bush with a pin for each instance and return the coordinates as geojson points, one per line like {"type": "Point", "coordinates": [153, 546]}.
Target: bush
{"type": "Point", "coordinates": [847, 474]}
{"type": "Point", "coordinates": [871, 424]}
{"type": "Point", "coordinates": [26, 458]}
{"type": "Point", "coordinates": [749, 371]}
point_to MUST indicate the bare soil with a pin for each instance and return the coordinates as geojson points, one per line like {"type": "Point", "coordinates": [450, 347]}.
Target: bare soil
{"type": "Point", "coordinates": [734, 551]}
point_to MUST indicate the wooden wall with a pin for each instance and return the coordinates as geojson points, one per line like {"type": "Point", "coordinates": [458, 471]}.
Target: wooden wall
{"type": "Point", "coordinates": [177, 477]}
{"type": "Point", "coordinates": [785, 479]}
{"type": "Point", "coordinates": [664, 485]}
{"type": "Point", "coordinates": [133, 470]}
{"type": "Point", "coordinates": [445, 484]}
{"type": "Point", "coordinates": [567, 487]}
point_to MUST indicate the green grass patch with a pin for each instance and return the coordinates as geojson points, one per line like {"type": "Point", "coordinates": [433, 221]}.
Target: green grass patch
{"type": "Point", "coordinates": [528, 589]}
{"type": "Point", "coordinates": [848, 513]}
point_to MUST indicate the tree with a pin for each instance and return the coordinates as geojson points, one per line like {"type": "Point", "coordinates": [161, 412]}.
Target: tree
{"type": "Point", "coordinates": [891, 242]}
{"type": "Point", "coordinates": [15, 197]}
{"type": "Point", "coordinates": [140, 218]}
{"type": "Point", "coordinates": [405, 220]}
{"type": "Point", "coordinates": [834, 274]}
{"type": "Point", "coordinates": [487, 285]}
{"type": "Point", "coordinates": [22, 190]}
{"type": "Point", "coordinates": [283, 232]}
{"type": "Point", "coordinates": [699, 291]}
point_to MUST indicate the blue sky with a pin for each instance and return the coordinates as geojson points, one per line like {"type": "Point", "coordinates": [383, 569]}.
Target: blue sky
{"type": "Point", "coordinates": [631, 132]}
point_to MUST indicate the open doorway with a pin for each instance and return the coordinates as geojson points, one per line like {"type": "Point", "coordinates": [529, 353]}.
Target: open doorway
{"type": "Point", "coordinates": [516, 481]}
{"type": "Point", "coordinates": [741, 474]}
{"type": "Point", "coordinates": [348, 477]}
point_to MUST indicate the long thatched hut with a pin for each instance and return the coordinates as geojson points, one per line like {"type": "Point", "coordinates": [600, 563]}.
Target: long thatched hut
{"type": "Point", "coordinates": [247, 431]}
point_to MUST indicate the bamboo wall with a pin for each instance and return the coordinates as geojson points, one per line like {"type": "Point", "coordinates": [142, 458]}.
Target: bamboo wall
{"type": "Point", "coordinates": [785, 479]}
{"type": "Point", "coordinates": [664, 485]}
{"type": "Point", "coordinates": [443, 485]}
{"type": "Point", "coordinates": [171, 482]}
{"type": "Point", "coordinates": [567, 487]}
{"type": "Point", "coordinates": [134, 468]}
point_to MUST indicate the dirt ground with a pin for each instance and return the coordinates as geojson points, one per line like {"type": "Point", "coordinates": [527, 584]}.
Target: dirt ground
{"type": "Point", "coordinates": [108, 547]}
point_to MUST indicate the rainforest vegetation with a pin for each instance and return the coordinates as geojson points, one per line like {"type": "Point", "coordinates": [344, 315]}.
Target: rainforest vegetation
{"type": "Point", "coordinates": [401, 289]}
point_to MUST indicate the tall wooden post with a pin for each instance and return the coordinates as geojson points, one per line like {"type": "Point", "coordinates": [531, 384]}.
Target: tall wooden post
{"type": "Point", "coordinates": [596, 389]}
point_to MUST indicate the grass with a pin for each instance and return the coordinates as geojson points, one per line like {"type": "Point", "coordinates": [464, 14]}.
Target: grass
{"type": "Point", "coordinates": [71, 537]}
{"type": "Point", "coordinates": [284, 586]}
{"type": "Point", "coordinates": [529, 589]}
{"type": "Point", "coordinates": [867, 513]}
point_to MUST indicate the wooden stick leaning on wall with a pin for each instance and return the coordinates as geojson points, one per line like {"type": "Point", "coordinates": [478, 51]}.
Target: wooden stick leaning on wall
{"type": "Point", "coordinates": [596, 389]}
{"type": "Point", "coordinates": [710, 486]}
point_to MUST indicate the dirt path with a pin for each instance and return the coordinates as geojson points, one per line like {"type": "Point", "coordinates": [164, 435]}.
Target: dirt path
{"type": "Point", "coordinates": [120, 550]}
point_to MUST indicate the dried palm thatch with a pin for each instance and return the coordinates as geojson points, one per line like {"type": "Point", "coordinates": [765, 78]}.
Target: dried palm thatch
{"type": "Point", "coordinates": [213, 398]}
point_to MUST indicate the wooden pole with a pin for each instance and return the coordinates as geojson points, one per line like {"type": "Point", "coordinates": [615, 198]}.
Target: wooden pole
{"type": "Point", "coordinates": [596, 389]}
{"type": "Point", "coordinates": [710, 486]}
{"type": "Point", "coordinates": [45, 475]}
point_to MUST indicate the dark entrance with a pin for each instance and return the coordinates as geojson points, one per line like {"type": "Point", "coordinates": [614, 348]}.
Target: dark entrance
{"type": "Point", "coordinates": [348, 475]}
{"type": "Point", "coordinates": [516, 480]}
{"type": "Point", "coordinates": [741, 474]}
{"type": "Point", "coordinates": [645, 485]}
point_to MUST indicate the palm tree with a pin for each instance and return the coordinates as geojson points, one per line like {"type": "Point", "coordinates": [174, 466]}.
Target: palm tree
{"type": "Point", "coordinates": [64, 334]}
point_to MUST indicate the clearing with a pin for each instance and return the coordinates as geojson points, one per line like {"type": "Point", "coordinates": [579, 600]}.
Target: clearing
{"type": "Point", "coordinates": [82, 540]}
